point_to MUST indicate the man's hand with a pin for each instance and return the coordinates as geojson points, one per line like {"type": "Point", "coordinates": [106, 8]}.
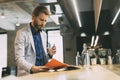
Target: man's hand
{"type": "Point", "coordinates": [52, 50]}
{"type": "Point", "coordinates": [35, 69]}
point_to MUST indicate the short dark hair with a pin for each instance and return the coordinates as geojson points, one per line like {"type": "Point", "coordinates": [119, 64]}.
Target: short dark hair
{"type": "Point", "coordinates": [40, 9]}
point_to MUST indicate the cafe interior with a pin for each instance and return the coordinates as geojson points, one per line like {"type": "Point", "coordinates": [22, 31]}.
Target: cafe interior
{"type": "Point", "coordinates": [74, 26]}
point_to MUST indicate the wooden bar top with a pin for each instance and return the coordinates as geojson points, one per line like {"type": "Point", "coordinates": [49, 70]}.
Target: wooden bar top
{"type": "Point", "coordinates": [96, 72]}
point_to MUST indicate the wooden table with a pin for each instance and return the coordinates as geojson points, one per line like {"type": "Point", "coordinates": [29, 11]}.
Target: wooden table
{"type": "Point", "coordinates": [97, 72]}
{"type": "Point", "coordinates": [114, 68]}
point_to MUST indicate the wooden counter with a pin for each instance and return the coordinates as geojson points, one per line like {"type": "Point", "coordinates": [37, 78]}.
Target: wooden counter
{"type": "Point", "coordinates": [114, 68]}
{"type": "Point", "coordinates": [97, 72]}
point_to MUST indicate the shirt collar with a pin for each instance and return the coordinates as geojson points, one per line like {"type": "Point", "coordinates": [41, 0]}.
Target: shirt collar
{"type": "Point", "coordinates": [34, 31]}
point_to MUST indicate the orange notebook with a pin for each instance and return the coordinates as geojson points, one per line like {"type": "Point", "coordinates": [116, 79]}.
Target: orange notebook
{"type": "Point", "coordinates": [55, 64]}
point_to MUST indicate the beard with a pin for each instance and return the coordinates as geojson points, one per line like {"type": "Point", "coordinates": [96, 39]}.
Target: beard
{"type": "Point", "coordinates": [38, 26]}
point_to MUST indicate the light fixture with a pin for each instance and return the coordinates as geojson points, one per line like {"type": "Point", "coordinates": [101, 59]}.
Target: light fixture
{"type": "Point", "coordinates": [2, 14]}
{"type": "Point", "coordinates": [83, 34]}
{"type": "Point", "coordinates": [106, 33]}
{"type": "Point", "coordinates": [92, 41]}
{"type": "Point", "coordinates": [96, 40]}
{"type": "Point", "coordinates": [118, 12]}
{"type": "Point", "coordinates": [77, 13]}
{"type": "Point", "coordinates": [17, 23]}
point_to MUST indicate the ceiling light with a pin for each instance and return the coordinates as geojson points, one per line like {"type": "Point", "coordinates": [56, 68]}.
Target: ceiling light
{"type": "Point", "coordinates": [83, 34]}
{"type": "Point", "coordinates": [92, 41]}
{"type": "Point", "coordinates": [17, 23]}
{"type": "Point", "coordinates": [115, 16]}
{"type": "Point", "coordinates": [96, 40]}
{"type": "Point", "coordinates": [2, 14]}
{"type": "Point", "coordinates": [77, 13]}
{"type": "Point", "coordinates": [106, 33]}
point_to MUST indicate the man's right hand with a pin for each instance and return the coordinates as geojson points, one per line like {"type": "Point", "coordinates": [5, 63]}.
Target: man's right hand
{"type": "Point", "coordinates": [35, 69]}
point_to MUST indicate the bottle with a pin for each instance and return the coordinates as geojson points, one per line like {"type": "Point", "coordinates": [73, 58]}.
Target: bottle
{"type": "Point", "coordinates": [77, 59]}
{"type": "Point", "coordinates": [109, 60]}
{"type": "Point", "coordinates": [87, 60]}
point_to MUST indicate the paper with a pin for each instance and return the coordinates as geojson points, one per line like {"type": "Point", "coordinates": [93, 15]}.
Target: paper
{"type": "Point", "coordinates": [55, 64]}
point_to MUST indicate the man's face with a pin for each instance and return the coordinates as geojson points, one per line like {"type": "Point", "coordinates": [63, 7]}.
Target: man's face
{"type": "Point", "coordinates": [39, 21]}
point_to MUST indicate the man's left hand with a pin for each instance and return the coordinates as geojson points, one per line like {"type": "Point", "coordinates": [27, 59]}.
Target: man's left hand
{"type": "Point", "coordinates": [52, 50]}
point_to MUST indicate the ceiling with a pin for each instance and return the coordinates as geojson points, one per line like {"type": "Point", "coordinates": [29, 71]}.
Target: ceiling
{"type": "Point", "coordinates": [20, 10]}
{"type": "Point", "coordinates": [15, 10]}
{"type": "Point", "coordinates": [96, 15]}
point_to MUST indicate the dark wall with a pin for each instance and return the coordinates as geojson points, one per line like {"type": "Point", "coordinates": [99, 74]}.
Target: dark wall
{"type": "Point", "coordinates": [116, 40]}
{"type": "Point", "coordinates": [11, 55]}
{"type": "Point", "coordinates": [104, 24]}
{"type": "Point", "coordinates": [88, 27]}
{"type": "Point", "coordinates": [88, 23]}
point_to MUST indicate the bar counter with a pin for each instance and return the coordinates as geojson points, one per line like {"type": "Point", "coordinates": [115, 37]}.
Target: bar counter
{"type": "Point", "coordinates": [96, 72]}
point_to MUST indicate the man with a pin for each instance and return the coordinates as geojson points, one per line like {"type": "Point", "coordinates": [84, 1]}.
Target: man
{"type": "Point", "coordinates": [31, 53]}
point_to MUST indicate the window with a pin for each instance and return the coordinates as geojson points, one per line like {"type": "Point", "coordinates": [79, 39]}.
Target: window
{"type": "Point", "coordinates": [3, 50]}
{"type": "Point", "coordinates": [54, 37]}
